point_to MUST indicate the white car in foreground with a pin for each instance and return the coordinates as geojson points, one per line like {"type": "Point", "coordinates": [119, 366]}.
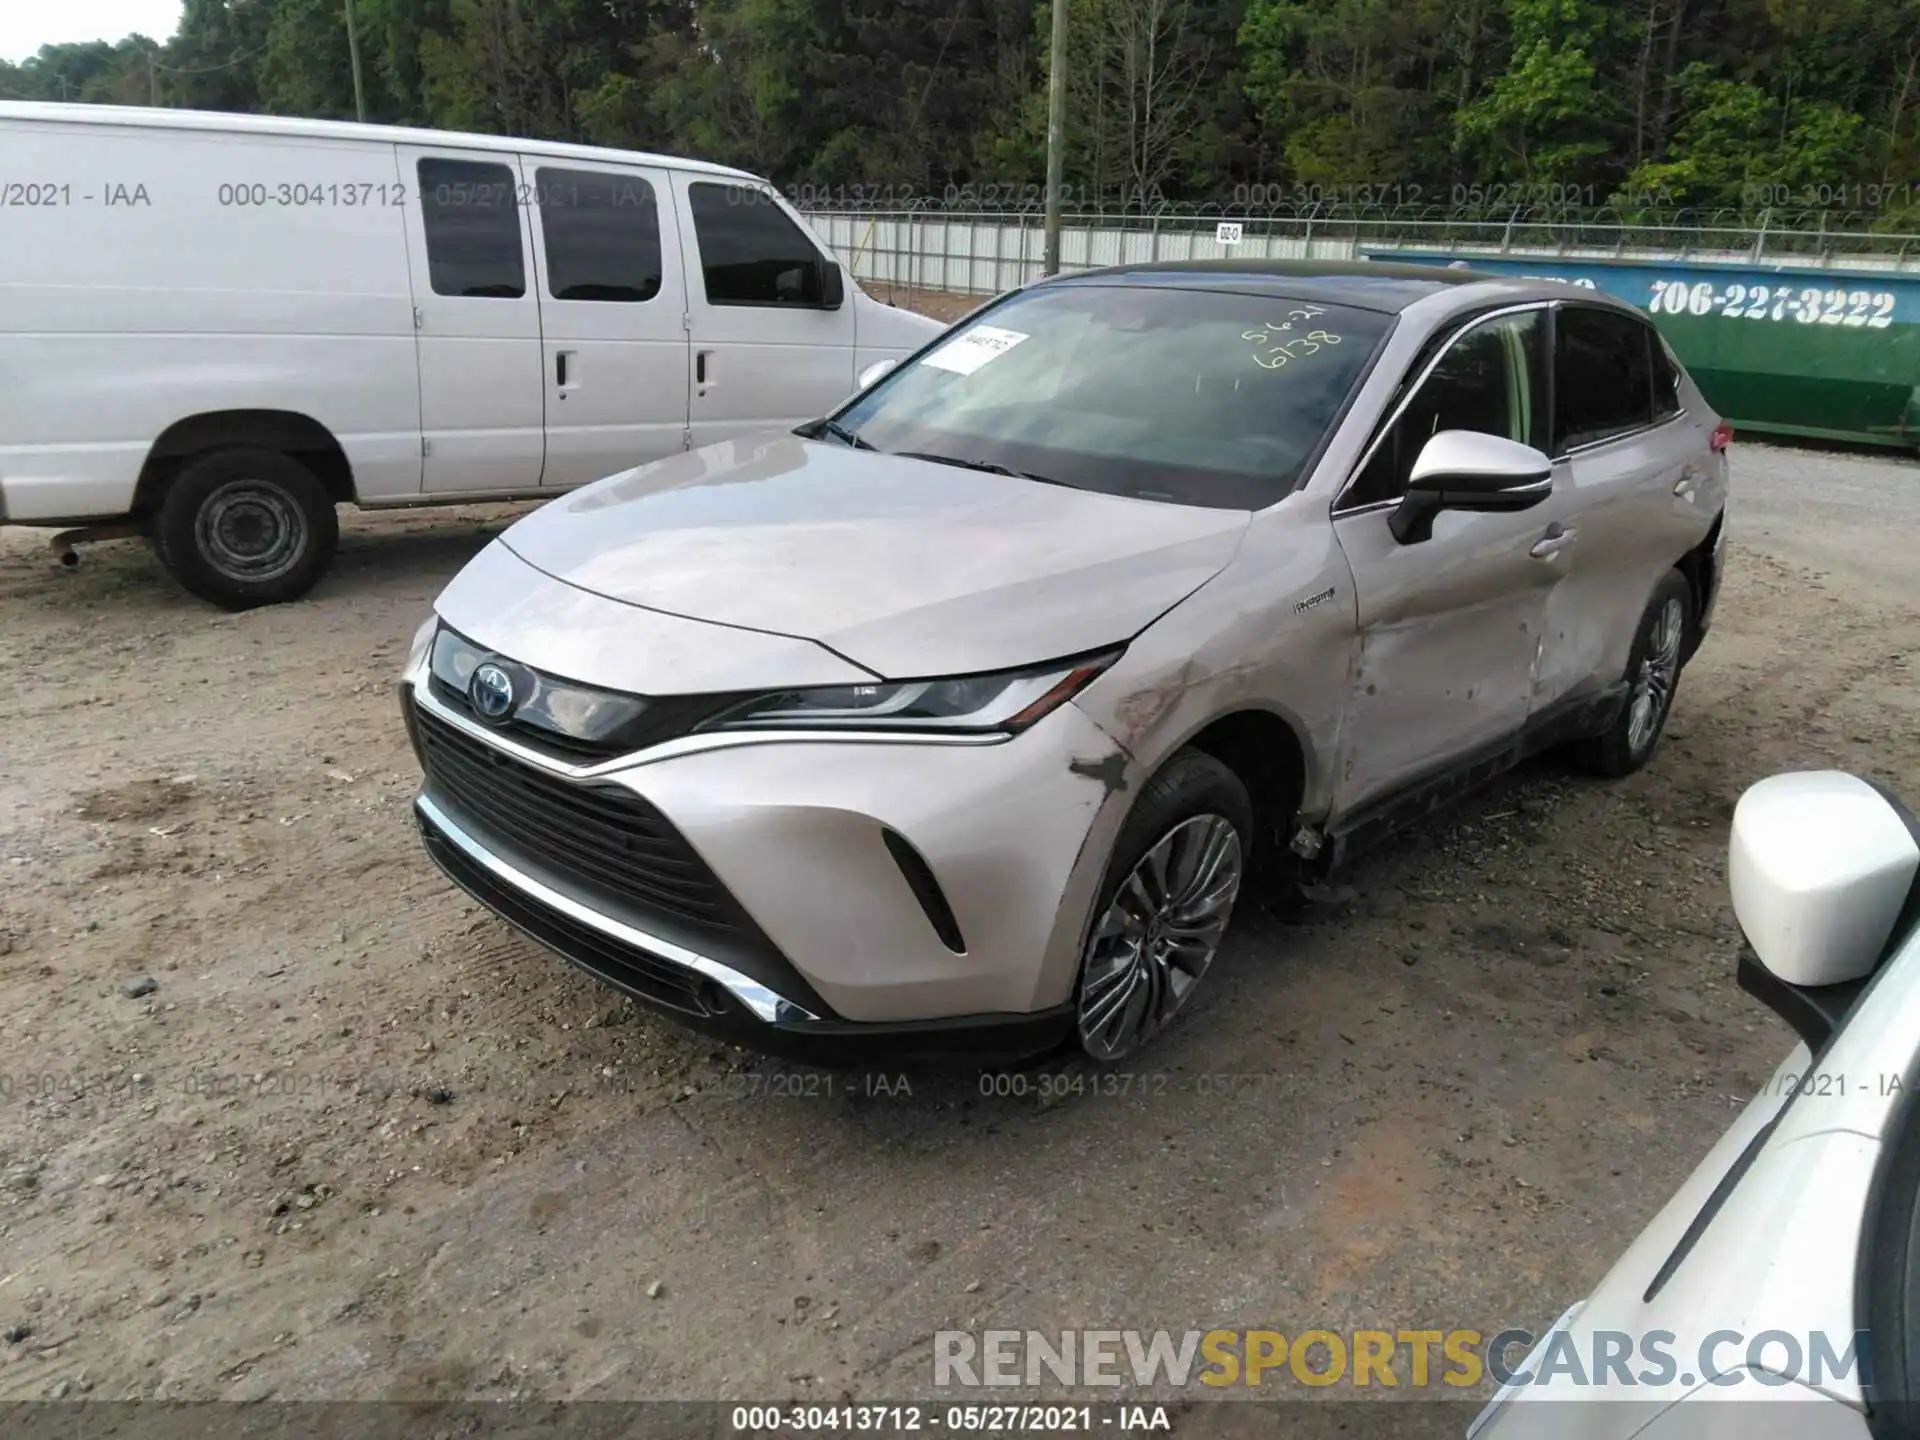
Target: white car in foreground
{"type": "Point", "coordinates": [1778, 1293]}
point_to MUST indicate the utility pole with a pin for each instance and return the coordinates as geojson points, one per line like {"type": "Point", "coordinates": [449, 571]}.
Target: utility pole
{"type": "Point", "coordinates": [353, 49]}
{"type": "Point", "coordinates": [1056, 137]}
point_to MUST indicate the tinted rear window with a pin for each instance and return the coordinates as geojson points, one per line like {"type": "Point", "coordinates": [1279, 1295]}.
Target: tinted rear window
{"type": "Point", "coordinates": [1603, 382]}
{"type": "Point", "coordinates": [1666, 378]}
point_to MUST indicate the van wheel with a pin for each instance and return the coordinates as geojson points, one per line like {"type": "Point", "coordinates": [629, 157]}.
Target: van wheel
{"type": "Point", "coordinates": [1164, 907]}
{"type": "Point", "coordinates": [246, 527]}
{"type": "Point", "coordinates": [1653, 674]}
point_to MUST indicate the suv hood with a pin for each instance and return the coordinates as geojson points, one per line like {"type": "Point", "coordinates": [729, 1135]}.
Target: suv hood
{"type": "Point", "coordinates": [905, 567]}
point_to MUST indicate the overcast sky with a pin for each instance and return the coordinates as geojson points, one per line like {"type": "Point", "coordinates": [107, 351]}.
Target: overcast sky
{"type": "Point", "coordinates": [26, 25]}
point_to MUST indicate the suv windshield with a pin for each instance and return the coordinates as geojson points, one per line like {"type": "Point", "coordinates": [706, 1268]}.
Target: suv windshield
{"type": "Point", "coordinates": [1190, 396]}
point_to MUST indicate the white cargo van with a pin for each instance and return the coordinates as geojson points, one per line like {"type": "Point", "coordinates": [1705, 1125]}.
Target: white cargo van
{"type": "Point", "coordinates": [213, 328]}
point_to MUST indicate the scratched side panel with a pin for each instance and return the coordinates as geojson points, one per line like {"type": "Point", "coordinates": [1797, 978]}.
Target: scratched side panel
{"type": "Point", "coordinates": [1273, 631]}
{"type": "Point", "coordinates": [1644, 502]}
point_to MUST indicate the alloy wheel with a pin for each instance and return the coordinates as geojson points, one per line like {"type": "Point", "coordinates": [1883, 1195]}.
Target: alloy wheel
{"type": "Point", "coordinates": [1659, 670]}
{"type": "Point", "coordinates": [1158, 935]}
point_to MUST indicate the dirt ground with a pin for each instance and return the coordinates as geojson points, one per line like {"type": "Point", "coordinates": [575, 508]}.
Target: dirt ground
{"type": "Point", "coordinates": [359, 1140]}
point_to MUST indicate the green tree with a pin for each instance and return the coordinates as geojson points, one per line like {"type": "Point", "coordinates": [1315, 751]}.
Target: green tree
{"type": "Point", "coordinates": [1734, 138]}
{"type": "Point", "coordinates": [305, 68]}
{"type": "Point", "coordinates": [214, 60]}
{"type": "Point", "coordinates": [1346, 83]}
{"type": "Point", "coordinates": [1546, 118]}
{"type": "Point", "coordinates": [1712, 99]}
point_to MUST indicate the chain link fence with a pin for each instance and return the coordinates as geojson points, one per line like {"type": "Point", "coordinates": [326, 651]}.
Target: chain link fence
{"type": "Point", "coordinates": [927, 246]}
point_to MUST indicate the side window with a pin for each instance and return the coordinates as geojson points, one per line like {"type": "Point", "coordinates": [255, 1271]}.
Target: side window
{"type": "Point", "coordinates": [1666, 377]}
{"type": "Point", "coordinates": [472, 221]}
{"type": "Point", "coordinates": [750, 252]}
{"type": "Point", "coordinates": [602, 234]}
{"type": "Point", "coordinates": [1492, 378]}
{"type": "Point", "coordinates": [1603, 376]}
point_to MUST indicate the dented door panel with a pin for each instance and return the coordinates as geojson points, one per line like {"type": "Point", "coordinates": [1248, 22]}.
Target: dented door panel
{"type": "Point", "coordinates": [1448, 634]}
{"type": "Point", "coordinates": [1645, 501]}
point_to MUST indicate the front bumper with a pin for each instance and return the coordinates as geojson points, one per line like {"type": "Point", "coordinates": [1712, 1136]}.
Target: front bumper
{"type": "Point", "coordinates": [705, 995]}
{"type": "Point", "coordinates": [824, 949]}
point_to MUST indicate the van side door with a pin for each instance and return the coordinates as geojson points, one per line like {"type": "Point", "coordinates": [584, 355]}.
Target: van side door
{"type": "Point", "coordinates": [469, 247]}
{"type": "Point", "coordinates": [613, 302]}
{"type": "Point", "coordinates": [767, 351]}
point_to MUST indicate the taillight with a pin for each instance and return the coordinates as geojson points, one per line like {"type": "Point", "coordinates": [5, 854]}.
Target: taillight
{"type": "Point", "coordinates": [1722, 436]}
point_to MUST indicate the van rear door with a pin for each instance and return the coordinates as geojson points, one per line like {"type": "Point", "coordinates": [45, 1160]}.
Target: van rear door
{"type": "Point", "coordinates": [767, 352]}
{"type": "Point", "coordinates": [469, 242]}
{"type": "Point", "coordinates": [613, 303]}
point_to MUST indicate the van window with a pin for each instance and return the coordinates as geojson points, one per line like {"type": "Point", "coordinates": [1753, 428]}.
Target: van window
{"type": "Point", "coordinates": [1492, 379]}
{"type": "Point", "coordinates": [602, 234]}
{"type": "Point", "coordinates": [1603, 377]}
{"type": "Point", "coordinates": [750, 252]}
{"type": "Point", "coordinates": [473, 229]}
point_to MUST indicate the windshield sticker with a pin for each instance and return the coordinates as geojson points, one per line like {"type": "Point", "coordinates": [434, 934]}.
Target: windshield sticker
{"type": "Point", "coordinates": [1277, 342]}
{"type": "Point", "coordinates": [966, 353]}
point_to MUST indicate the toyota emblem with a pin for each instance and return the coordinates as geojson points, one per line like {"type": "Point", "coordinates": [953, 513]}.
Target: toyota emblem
{"type": "Point", "coordinates": [491, 691]}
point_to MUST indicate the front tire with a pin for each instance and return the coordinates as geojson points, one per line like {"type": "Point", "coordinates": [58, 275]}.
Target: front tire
{"type": "Point", "coordinates": [1163, 910]}
{"type": "Point", "coordinates": [246, 527]}
{"type": "Point", "coordinates": [1653, 675]}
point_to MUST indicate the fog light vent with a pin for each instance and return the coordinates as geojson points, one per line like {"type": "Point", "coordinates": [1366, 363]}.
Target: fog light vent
{"type": "Point", "coordinates": [926, 889]}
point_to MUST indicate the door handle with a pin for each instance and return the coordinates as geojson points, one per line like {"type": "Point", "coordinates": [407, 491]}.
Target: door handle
{"type": "Point", "coordinates": [700, 367]}
{"type": "Point", "coordinates": [1557, 538]}
{"type": "Point", "coordinates": [560, 359]}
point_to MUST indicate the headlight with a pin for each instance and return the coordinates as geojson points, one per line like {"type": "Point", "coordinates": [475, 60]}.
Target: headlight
{"type": "Point", "coordinates": [1005, 702]}
{"type": "Point", "coordinates": [422, 641]}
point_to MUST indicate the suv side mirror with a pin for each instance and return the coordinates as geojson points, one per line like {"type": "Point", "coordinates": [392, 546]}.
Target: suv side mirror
{"type": "Point", "coordinates": [874, 371]}
{"type": "Point", "coordinates": [1823, 867]}
{"type": "Point", "coordinates": [833, 288]}
{"type": "Point", "coordinates": [1466, 470]}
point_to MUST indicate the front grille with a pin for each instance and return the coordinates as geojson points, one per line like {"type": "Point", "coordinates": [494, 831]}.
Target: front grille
{"type": "Point", "coordinates": [602, 837]}
{"type": "Point", "coordinates": [647, 977]}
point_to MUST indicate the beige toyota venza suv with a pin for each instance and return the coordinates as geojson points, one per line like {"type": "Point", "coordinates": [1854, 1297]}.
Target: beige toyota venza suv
{"type": "Point", "coordinates": [958, 720]}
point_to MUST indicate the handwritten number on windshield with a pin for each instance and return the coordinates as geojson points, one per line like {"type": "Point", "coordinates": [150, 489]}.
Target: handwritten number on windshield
{"type": "Point", "coordinates": [1277, 346]}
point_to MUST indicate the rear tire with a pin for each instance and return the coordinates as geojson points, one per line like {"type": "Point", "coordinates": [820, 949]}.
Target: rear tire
{"type": "Point", "coordinates": [1177, 867]}
{"type": "Point", "coordinates": [1653, 677]}
{"type": "Point", "coordinates": [246, 527]}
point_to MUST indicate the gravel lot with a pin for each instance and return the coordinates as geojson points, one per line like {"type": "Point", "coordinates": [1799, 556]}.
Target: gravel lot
{"type": "Point", "coordinates": [359, 1140]}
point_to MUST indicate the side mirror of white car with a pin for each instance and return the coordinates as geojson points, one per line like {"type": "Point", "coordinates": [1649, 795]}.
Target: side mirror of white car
{"type": "Point", "coordinates": [1822, 867]}
{"type": "Point", "coordinates": [874, 371]}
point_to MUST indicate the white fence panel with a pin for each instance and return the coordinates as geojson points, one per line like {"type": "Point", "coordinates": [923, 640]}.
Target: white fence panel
{"type": "Point", "coordinates": [984, 254]}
